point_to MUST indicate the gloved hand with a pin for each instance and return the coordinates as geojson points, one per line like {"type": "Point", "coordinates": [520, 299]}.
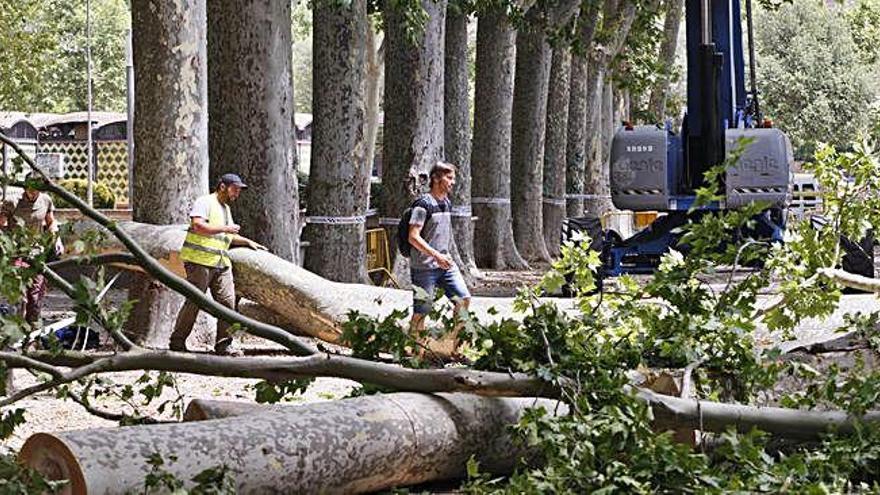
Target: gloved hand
{"type": "Point", "coordinates": [59, 247]}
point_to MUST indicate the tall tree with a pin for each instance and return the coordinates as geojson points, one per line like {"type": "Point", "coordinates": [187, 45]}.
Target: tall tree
{"type": "Point", "coordinates": [171, 138]}
{"type": "Point", "coordinates": [575, 159]}
{"type": "Point", "coordinates": [251, 126]}
{"type": "Point", "coordinates": [494, 245]}
{"type": "Point", "coordinates": [457, 134]}
{"type": "Point", "coordinates": [413, 130]}
{"type": "Point", "coordinates": [796, 84]}
{"type": "Point", "coordinates": [666, 59]}
{"type": "Point", "coordinates": [554, 148]}
{"type": "Point", "coordinates": [533, 62]}
{"type": "Point", "coordinates": [339, 173]}
{"type": "Point", "coordinates": [617, 19]}
{"type": "Point", "coordinates": [374, 80]}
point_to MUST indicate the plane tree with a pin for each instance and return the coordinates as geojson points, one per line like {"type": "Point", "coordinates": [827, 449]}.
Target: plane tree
{"type": "Point", "coordinates": [601, 361]}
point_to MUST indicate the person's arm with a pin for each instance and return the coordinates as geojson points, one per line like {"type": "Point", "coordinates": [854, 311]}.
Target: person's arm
{"type": "Point", "coordinates": [238, 240]}
{"type": "Point", "coordinates": [51, 224]}
{"type": "Point", "coordinates": [418, 242]}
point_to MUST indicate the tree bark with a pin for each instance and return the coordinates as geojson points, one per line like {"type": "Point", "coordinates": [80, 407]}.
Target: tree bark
{"type": "Point", "coordinates": [413, 130]}
{"type": "Point", "coordinates": [374, 80]}
{"type": "Point", "coordinates": [339, 179]}
{"type": "Point", "coordinates": [617, 19]}
{"type": "Point", "coordinates": [554, 148]}
{"type": "Point", "coordinates": [387, 441]}
{"type": "Point", "coordinates": [251, 126]}
{"type": "Point", "coordinates": [494, 245]}
{"type": "Point", "coordinates": [171, 139]}
{"type": "Point", "coordinates": [575, 146]}
{"type": "Point", "coordinates": [666, 59]}
{"type": "Point", "coordinates": [533, 58]}
{"type": "Point", "coordinates": [592, 193]}
{"type": "Point", "coordinates": [675, 413]}
{"type": "Point", "coordinates": [457, 133]}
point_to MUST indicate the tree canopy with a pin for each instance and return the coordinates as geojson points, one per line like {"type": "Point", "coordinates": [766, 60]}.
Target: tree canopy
{"type": "Point", "coordinates": [813, 73]}
{"type": "Point", "coordinates": [44, 65]}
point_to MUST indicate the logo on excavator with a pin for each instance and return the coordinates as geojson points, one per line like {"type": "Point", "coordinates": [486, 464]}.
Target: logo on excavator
{"type": "Point", "coordinates": [756, 165]}
{"type": "Point", "coordinates": [624, 171]}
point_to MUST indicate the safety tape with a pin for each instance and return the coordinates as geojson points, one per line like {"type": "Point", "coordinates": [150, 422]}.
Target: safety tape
{"type": "Point", "coordinates": [490, 201]}
{"type": "Point", "coordinates": [587, 196]}
{"type": "Point", "coordinates": [462, 211]}
{"type": "Point", "coordinates": [388, 221]}
{"type": "Point", "coordinates": [337, 220]}
{"type": "Point", "coordinates": [554, 201]}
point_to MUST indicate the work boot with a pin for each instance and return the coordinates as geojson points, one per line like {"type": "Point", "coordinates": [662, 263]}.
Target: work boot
{"type": "Point", "coordinates": [226, 347]}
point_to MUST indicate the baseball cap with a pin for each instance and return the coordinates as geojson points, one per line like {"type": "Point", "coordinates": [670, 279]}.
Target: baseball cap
{"type": "Point", "coordinates": [232, 180]}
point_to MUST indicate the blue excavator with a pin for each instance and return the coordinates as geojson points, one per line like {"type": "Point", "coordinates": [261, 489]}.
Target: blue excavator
{"type": "Point", "coordinates": [655, 168]}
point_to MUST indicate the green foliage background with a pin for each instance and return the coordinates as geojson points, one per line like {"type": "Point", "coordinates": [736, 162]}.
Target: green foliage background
{"type": "Point", "coordinates": [817, 70]}
{"type": "Point", "coordinates": [44, 55]}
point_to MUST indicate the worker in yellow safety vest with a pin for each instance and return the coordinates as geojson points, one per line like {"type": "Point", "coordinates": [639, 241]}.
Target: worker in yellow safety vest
{"type": "Point", "coordinates": [205, 256]}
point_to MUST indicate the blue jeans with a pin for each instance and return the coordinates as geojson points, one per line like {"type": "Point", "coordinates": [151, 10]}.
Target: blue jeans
{"type": "Point", "coordinates": [450, 281]}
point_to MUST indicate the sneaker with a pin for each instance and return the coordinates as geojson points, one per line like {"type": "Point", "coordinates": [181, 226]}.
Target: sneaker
{"type": "Point", "coordinates": [226, 348]}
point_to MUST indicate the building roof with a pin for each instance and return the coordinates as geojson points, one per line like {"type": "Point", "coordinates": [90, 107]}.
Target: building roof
{"type": "Point", "coordinates": [9, 119]}
{"type": "Point", "coordinates": [99, 119]}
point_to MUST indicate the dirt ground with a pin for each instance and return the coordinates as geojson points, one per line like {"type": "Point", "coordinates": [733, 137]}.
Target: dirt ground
{"type": "Point", "coordinates": [47, 413]}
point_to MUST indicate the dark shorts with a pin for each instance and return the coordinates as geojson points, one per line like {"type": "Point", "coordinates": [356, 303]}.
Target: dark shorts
{"type": "Point", "coordinates": [450, 281]}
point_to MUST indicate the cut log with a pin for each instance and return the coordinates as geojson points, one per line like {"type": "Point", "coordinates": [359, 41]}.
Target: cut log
{"type": "Point", "coordinates": [306, 303]}
{"type": "Point", "coordinates": [202, 409]}
{"type": "Point", "coordinates": [347, 446]}
{"type": "Point", "coordinates": [674, 413]}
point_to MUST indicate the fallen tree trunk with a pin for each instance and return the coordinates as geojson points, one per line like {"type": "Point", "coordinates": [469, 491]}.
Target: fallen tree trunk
{"type": "Point", "coordinates": [202, 409]}
{"type": "Point", "coordinates": [348, 446]}
{"type": "Point", "coordinates": [670, 413]}
{"type": "Point", "coordinates": [676, 413]}
{"type": "Point", "coordinates": [304, 302]}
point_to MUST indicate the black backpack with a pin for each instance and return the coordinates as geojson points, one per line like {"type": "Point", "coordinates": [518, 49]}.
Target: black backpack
{"type": "Point", "coordinates": [403, 244]}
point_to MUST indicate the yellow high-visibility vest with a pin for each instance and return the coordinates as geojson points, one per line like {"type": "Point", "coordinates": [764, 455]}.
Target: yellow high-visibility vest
{"type": "Point", "coordinates": [209, 250]}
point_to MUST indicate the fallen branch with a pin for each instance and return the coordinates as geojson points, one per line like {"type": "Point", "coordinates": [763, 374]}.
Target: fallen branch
{"type": "Point", "coordinates": [852, 280]}
{"type": "Point", "coordinates": [675, 413]}
{"type": "Point", "coordinates": [277, 369]}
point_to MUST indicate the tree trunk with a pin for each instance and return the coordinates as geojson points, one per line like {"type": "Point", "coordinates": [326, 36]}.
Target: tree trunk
{"type": "Point", "coordinates": [494, 245]}
{"type": "Point", "coordinates": [251, 125]}
{"type": "Point", "coordinates": [374, 78]}
{"type": "Point", "coordinates": [592, 195]}
{"type": "Point", "coordinates": [338, 184]}
{"type": "Point", "coordinates": [617, 19]}
{"type": "Point", "coordinates": [413, 130]}
{"type": "Point", "coordinates": [356, 445]}
{"type": "Point", "coordinates": [576, 141]}
{"type": "Point", "coordinates": [666, 59]}
{"type": "Point", "coordinates": [171, 139]}
{"type": "Point", "coordinates": [554, 148]}
{"type": "Point", "coordinates": [533, 58]}
{"type": "Point", "coordinates": [457, 133]}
